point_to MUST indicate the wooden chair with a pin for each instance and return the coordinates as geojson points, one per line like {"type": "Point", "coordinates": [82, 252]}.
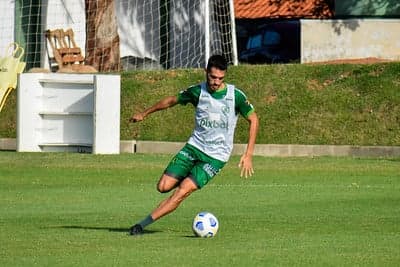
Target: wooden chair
{"type": "Point", "coordinates": [66, 55]}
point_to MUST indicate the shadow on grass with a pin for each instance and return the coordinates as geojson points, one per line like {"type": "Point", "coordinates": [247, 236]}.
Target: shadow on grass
{"type": "Point", "coordinates": [191, 236]}
{"type": "Point", "coordinates": [109, 229]}
{"type": "Point", "coordinates": [115, 229]}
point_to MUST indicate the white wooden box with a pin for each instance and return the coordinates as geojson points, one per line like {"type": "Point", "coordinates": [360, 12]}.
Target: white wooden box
{"type": "Point", "coordinates": [68, 113]}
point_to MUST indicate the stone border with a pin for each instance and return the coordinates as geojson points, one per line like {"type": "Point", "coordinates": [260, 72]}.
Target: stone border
{"type": "Point", "coordinates": [8, 144]}
{"type": "Point", "coordinates": [272, 150]}
{"type": "Point", "coordinates": [268, 150]}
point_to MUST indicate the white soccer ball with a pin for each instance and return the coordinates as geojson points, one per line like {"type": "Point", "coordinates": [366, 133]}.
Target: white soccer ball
{"type": "Point", "coordinates": [205, 224]}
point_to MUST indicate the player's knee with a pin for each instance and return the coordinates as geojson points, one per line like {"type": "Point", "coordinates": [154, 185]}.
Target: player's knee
{"type": "Point", "coordinates": [166, 184]}
{"type": "Point", "coordinates": [163, 189]}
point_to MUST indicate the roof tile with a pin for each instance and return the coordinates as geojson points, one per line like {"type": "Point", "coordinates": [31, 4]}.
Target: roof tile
{"type": "Point", "coordinates": [253, 9]}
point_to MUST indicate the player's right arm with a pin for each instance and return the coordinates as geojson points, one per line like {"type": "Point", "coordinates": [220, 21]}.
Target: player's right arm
{"type": "Point", "coordinates": [190, 95]}
{"type": "Point", "coordinates": [164, 103]}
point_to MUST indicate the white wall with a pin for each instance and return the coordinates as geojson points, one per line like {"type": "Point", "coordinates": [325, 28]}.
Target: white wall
{"type": "Point", "coordinates": [6, 24]}
{"type": "Point", "coordinates": [138, 27]}
{"type": "Point", "coordinates": [138, 31]}
{"type": "Point", "coordinates": [323, 40]}
{"type": "Point", "coordinates": [187, 34]}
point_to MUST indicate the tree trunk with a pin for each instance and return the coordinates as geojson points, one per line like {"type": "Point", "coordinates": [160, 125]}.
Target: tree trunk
{"type": "Point", "coordinates": [102, 40]}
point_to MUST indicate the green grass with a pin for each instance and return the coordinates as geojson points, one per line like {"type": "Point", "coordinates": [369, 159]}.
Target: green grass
{"type": "Point", "coordinates": [297, 104]}
{"type": "Point", "coordinates": [73, 209]}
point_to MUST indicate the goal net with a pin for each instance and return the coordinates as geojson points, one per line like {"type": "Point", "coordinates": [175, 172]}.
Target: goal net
{"type": "Point", "coordinates": [123, 34]}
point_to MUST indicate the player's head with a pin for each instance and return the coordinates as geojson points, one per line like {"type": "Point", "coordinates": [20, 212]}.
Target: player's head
{"type": "Point", "coordinates": [215, 72]}
{"type": "Point", "coordinates": [217, 61]}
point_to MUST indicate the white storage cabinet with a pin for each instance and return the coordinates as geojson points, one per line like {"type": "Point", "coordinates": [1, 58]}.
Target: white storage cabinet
{"type": "Point", "coordinates": [68, 113]}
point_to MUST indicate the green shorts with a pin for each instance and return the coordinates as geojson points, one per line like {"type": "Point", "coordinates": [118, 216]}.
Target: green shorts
{"type": "Point", "coordinates": [191, 162]}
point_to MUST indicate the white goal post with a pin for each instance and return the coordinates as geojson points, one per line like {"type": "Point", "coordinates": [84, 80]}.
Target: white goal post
{"type": "Point", "coordinates": [153, 34]}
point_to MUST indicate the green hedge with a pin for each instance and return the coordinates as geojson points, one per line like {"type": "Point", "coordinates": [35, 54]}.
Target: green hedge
{"type": "Point", "coordinates": [297, 104]}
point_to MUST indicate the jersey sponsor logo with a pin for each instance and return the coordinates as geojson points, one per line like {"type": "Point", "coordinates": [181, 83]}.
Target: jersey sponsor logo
{"type": "Point", "coordinates": [214, 142]}
{"type": "Point", "coordinates": [225, 110]}
{"type": "Point", "coordinates": [213, 124]}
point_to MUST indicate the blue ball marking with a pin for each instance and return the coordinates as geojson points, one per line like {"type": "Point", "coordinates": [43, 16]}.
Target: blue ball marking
{"type": "Point", "coordinates": [209, 234]}
{"type": "Point", "coordinates": [213, 222]}
{"type": "Point", "coordinates": [200, 226]}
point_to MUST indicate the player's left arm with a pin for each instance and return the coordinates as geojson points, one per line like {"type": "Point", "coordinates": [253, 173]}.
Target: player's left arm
{"type": "Point", "coordinates": [247, 110]}
{"type": "Point", "coordinates": [246, 161]}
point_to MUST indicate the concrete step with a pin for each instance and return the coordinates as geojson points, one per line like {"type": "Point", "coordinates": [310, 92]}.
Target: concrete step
{"type": "Point", "coordinates": [268, 150]}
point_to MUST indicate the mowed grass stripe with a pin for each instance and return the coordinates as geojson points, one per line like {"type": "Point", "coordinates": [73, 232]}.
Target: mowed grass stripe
{"type": "Point", "coordinates": [75, 209]}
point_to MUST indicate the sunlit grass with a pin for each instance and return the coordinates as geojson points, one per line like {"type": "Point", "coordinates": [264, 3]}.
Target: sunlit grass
{"type": "Point", "coordinates": [75, 209]}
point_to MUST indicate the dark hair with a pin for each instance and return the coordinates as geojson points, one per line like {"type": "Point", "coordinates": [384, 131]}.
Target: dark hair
{"type": "Point", "coordinates": [217, 61]}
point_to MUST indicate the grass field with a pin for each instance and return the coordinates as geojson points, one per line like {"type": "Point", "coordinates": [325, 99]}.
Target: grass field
{"type": "Point", "coordinates": [75, 209]}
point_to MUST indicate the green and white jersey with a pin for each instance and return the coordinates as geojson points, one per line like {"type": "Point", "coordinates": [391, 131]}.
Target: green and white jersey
{"type": "Point", "coordinates": [215, 119]}
{"type": "Point", "coordinates": [191, 95]}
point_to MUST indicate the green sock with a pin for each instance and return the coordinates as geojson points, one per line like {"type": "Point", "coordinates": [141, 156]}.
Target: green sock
{"type": "Point", "coordinates": [146, 221]}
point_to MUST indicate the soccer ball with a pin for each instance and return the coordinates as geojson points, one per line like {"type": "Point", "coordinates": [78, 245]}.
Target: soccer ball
{"type": "Point", "coordinates": [205, 224]}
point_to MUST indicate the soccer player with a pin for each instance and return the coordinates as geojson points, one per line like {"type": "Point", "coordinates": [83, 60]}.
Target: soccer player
{"type": "Point", "coordinates": [217, 105]}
